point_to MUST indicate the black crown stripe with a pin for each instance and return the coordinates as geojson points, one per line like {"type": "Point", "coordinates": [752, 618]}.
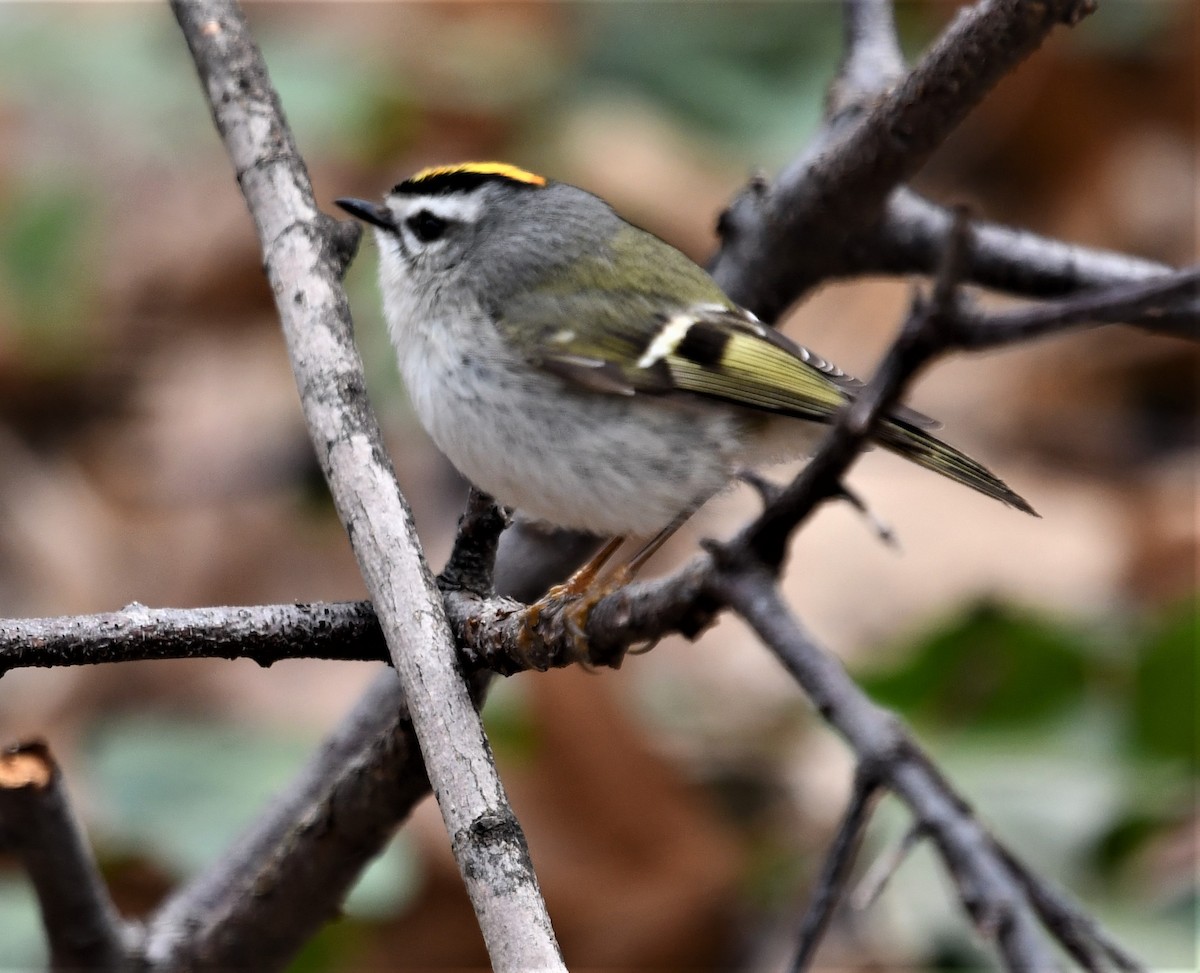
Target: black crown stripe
{"type": "Point", "coordinates": [448, 180]}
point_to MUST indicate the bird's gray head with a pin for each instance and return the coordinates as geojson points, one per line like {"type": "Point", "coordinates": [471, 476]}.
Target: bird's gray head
{"type": "Point", "coordinates": [498, 226]}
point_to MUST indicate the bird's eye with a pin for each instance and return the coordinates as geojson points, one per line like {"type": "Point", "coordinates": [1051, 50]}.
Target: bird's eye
{"type": "Point", "coordinates": [425, 226]}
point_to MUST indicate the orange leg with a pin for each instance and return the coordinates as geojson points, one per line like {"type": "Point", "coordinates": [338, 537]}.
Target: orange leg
{"type": "Point", "coordinates": [652, 546]}
{"type": "Point", "coordinates": [583, 579]}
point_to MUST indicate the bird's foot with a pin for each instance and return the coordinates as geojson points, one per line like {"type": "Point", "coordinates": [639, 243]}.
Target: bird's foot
{"type": "Point", "coordinates": [563, 613]}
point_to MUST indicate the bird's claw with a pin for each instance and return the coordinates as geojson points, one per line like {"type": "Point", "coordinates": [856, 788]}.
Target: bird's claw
{"type": "Point", "coordinates": [568, 608]}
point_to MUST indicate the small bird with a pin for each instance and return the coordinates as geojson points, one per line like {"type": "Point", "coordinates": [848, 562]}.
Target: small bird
{"type": "Point", "coordinates": [587, 373]}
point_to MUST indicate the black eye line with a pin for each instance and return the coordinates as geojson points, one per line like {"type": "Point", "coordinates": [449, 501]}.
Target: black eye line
{"type": "Point", "coordinates": [427, 226]}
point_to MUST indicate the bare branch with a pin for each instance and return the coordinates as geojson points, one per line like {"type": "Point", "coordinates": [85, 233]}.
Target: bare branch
{"type": "Point", "coordinates": [261, 901]}
{"type": "Point", "coordinates": [494, 632]}
{"type": "Point", "coordinates": [290, 873]}
{"type": "Point", "coordinates": [767, 537]}
{"type": "Point", "coordinates": [778, 241]}
{"type": "Point", "coordinates": [38, 827]}
{"type": "Point", "coordinates": [472, 563]}
{"type": "Point", "coordinates": [871, 59]}
{"type": "Point", "coordinates": [1142, 301]}
{"type": "Point", "coordinates": [913, 233]}
{"type": "Point", "coordinates": [303, 263]}
{"type": "Point", "coordinates": [836, 870]}
{"type": "Point", "coordinates": [883, 868]}
{"type": "Point", "coordinates": [265, 633]}
{"type": "Point", "coordinates": [497, 633]}
{"type": "Point", "coordinates": [832, 196]}
{"type": "Point", "coordinates": [987, 888]}
{"type": "Point", "coordinates": [1080, 934]}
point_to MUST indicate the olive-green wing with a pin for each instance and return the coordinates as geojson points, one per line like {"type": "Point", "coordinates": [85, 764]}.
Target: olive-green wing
{"type": "Point", "coordinates": [629, 346]}
{"type": "Point", "coordinates": [730, 356]}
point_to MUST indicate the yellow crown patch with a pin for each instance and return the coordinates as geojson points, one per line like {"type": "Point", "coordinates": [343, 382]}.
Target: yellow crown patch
{"type": "Point", "coordinates": [500, 169]}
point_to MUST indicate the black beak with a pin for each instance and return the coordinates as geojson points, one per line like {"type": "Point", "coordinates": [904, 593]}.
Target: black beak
{"type": "Point", "coordinates": [371, 213]}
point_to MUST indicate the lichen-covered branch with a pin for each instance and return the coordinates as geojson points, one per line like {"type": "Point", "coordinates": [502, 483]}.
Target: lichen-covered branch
{"type": "Point", "coordinates": [304, 260]}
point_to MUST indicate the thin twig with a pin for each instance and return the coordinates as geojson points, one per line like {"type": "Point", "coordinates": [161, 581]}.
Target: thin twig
{"type": "Point", "coordinates": [871, 59]}
{"type": "Point", "coordinates": [912, 235]}
{"type": "Point", "coordinates": [883, 868]}
{"type": "Point", "coordinates": [37, 825]}
{"type": "Point", "coordinates": [836, 869]}
{"type": "Point", "coordinates": [1139, 300]}
{"type": "Point", "coordinates": [919, 340]}
{"type": "Point", "coordinates": [1080, 934]}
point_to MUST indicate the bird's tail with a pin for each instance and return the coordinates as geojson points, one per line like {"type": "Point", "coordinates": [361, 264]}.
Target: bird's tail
{"type": "Point", "coordinates": [925, 450]}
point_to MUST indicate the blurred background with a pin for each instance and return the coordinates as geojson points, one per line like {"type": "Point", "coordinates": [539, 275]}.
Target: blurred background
{"type": "Point", "coordinates": [151, 449]}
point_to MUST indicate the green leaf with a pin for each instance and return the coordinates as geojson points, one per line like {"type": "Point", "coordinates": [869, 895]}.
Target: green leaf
{"type": "Point", "coordinates": [511, 727]}
{"type": "Point", "coordinates": [741, 71]}
{"type": "Point", "coordinates": [1166, 689]}
{"type": "Point", "coordinates": [47, 268]}
{"type": "Point", "coordinates": [181, 792]}
{"type": "Point", "coordinates": [993, 667]}
{"type": "Point", "coordinates": [23, 942]}
{"type": "Point", "coordinates": [331, 949]}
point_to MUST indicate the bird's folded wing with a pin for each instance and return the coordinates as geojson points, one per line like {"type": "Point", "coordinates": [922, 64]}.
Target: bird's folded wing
{"type": "Point", "coordinates": [629, 345]}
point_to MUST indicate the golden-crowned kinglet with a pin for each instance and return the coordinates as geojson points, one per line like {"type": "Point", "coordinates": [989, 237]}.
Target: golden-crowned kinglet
{"type": "Point", "coordinates": [584, 371]}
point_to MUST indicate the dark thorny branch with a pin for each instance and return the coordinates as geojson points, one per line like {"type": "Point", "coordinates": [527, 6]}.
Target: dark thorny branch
{"type": "Point", "coordinates": [840, 209]}
{"type": "Point", "coordinates": [265, 633]}
{"type": "Point", "coordinates": [987, 888]}
{"type": "Point", "coordinates": [817, 218]}
{"type": "Point", "coordinates": [913, 233]}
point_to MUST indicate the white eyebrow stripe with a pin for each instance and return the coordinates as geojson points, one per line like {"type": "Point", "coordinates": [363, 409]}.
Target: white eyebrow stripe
{"type": "Point", "coordinates": [667, 339]}
{"type": "Point", "coordinates": [459, 208]}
